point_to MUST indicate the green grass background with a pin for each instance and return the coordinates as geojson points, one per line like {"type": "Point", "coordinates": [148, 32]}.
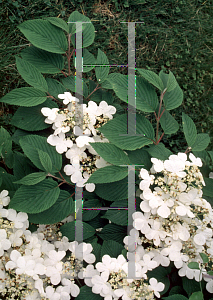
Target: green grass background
{"type": "Point", "coordinates": [176, 35]}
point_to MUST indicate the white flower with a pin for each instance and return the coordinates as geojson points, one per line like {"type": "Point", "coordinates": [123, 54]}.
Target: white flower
{"type": "Point", "coordinates": [4, 198]}
{"type": "Point", "coordinates": [82, 251]}
{"type": "Point", "coordinates": [196, 161]}
{"type": "Point", "coordinates": [82, 141]}
{"type": "Point", "coordinates": [15, 238]}
{"type": "Point", "coordinates": [19, 219]}
{"type": "Point", "coordinates": [211, 175]}
{"type": "Point", "coordinates": [107, 110]}
{"type": "Point", "coordinates": [209, 286]}
{"type": "Point", "coordinates": [100, 283]}
{"type": "Point", "coordinates": [93, 110]}
{"type": "Point", "coordinates": [67, 98]}
{"type": "Point", "coordinates": [200, 239]}
{"type": "Point", "coordinates": [176, 164]}
{"type": "Point", "coordinates": [5, 244]}
{"type": "Point", "coordinates": [76, 154]}
{"type": "Point", "coordinates": [156, 233]}
{"type": "Point", "coordinates": [157, 164]}
{"type": "Point", "coordinates": [147, 263]}
{"type": "Point", "coordinates": [141, 221]}
{"type": "Point", "coordinates": [12, 263]}
{"type": "Point", "coordinates": [70, 287]}
{"type": "Point", "coordinates": [87, 274]}
{"type": "Point", "coordinates": [101, 163]}
{"type": "Point", "coordinates": [60, 142]}
{"type": "Point", "coordinates": [63, 244]}
{"type": "Point", "coordinates": [132, 240]}
{"type": "Point", "coordinates": [148, 179]}
{"type": "Point", "coordinates": [179, 232]}
{"type": "Point", "coordinates": [51, 294]}
{"type": "Point", "coordinates": [51, 114]}
{"type": "Point", "coordinates": [75, 171]}
{"type": "Point", "coordinates": [160, 258]}
{"type": "Point", "coordinates": [156, 286]}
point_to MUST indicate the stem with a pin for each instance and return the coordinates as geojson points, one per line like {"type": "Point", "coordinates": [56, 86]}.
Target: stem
{"type": "Point", "coordinates": [188, 150]}
{"type": "Point", "coordinates": [159, 116]}
{"type": "Point", "coordinates": [68, 55]}
{"type": "Point", "coordinates": [94, 90]}
{"type": "Point", "coordinates": [55, 99]}
{"type": "Point", "coordinates": [160, 138]}
{"type": "Point", "coordinates": [63, 180]}
{"type": "Point", "coordinates": [162, 113]}
{"type": "Point", "coordinates": [79, 282]}
{"type": "Point", "coordinates": [63, 73]}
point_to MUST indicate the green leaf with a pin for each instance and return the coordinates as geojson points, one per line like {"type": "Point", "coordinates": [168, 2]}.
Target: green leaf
{"type": "Point", "coordinates": [63, 207]}
{"type": "Point", "coordinates": [55, 88]}
{"type": "Point", "coordinates": [32, 143]}
{"type": "Point", "coordinates": [204, 258]}
{"type": "Point", "coordinates": [117, 216]}
{"type": "Point", "coordinates": [189, 129]}
{"type": "Point", "coordinates": [92, 213]}
{"type": "Point", "coordinates": [173, 98]}
{"type": "Point", "coordinates": [26, 96]}
{"type": "Point", "coordinates": [70, 83]}
{"type": "Point", "coordinates": [208, 189]}
{"type": "Point", "coordinates": [45, 160]}
{"type": "Point", "coordinates": [168, 123]}
{"type": "Point", "coordinates": [7, 182]}
{"type": "Point", "coordinates": [197, 296]}
{"type": "Point", "coordinates": [140, 157]}
{"type": "Point", "coordinates": [111, 248]}
{"type": "Point", "coordinates": [88, 29]}
{"type": "Point", "coordinates": [44, 35]}
{"type": "Point", "coordinates": [45, 62]}
{"type": "Point", "coordinates": [88, 59]}
{"type": "Point", "coordinates": [116, 132]}
{"type": "Point", "coordinates": [111, 153]}
{"type": "Point", "coordinates": [176, 290]}
{"type": "Point", "coordinates": [108, 174]}
{"type": "Point", "coordinates": [161, 274]}
{"type": "Point", "coordinates": [59, 23]}
{"type": "Point", "coordinates": [68, 230]}
{"type": "Point", "coordinates": [201, 143]}
{"type": "Point", "coordinates": [96, 250]}
{"type": "Point", "coordinates": [194, 265]}
{"type": "Point", "coordinates": [37, 198]}
{"type": "Point", "coordinates": [113, 232]}
{"type": "Point", "coordinates": [5, 144]}
{"type": "Point", "coordinates": [22, 166]}
{"type": "Point", "coordinates": [31, 74]}
{"type": "Point", "coordinates": [110, 191]}
{"type": "Point", "coordinates": [146, 97]}
{"type": "Point", "coordinates": [86, 292]}
{"type": "Point", "coordinates": [152, 78]}
{"type": "Point", "coordinates": [32, 178]}
{"type": "Point", "coordinates": [210, 154]}
{"type": "Point", "coordinates": [159, 151]}
{"type": "Point", "coordinates": [31, 118]}
{"type": "Point", "coordinates": [102, 71]}
{"type": "Point", "coordinates": [190, 285]}
{"type": "Point", "coordinates": [171, 83]}
{"type": "Point", "coordinates": [176, 297]}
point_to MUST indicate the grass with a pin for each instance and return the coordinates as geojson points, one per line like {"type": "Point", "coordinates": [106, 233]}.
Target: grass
{"type": "Point", "coordinates": [176, 35]}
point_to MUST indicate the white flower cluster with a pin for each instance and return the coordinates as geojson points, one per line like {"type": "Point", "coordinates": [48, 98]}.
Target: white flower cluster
{"type": "Point", "coordinates": [74, 128]}
{"type": "Point", "coordinates": [109, 279]}
{"type": "Point", "coordinates": [30, 265]}
{"type": "Point", "coordinates": [175, 222]}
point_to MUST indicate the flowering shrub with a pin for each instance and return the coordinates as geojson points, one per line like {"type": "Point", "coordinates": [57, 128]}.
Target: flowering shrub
{"type": "Point", "coordinates": [66, 143]}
